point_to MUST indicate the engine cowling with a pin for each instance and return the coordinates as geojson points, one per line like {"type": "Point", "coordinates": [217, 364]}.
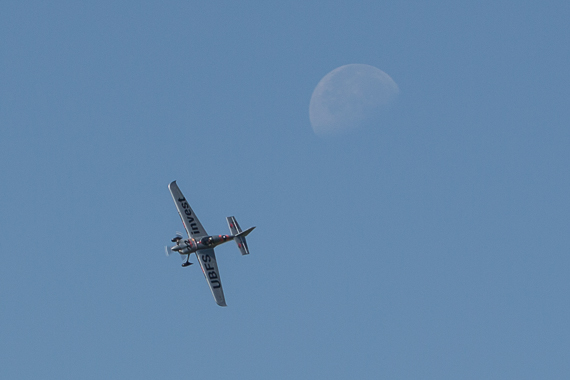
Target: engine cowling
{"type": "Point", "coordinates": [185, 246]}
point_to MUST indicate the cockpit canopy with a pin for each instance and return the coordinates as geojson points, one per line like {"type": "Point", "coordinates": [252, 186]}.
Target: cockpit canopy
{"type": "Point", "coordinates": [207, 241]}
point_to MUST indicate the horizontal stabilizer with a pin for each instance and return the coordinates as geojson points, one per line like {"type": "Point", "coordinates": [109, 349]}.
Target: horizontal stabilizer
{"type": "Point", "coordinates": [239, 235]}
{"type": "Point", "coordinates": [234, 226]}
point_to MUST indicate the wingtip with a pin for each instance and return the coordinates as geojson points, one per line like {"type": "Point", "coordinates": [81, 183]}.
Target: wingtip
{"type": "Point", "coordinates": [171, 183]}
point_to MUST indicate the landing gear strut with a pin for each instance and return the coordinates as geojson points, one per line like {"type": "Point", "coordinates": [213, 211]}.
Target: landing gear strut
{"type": "Point", "coordinates": [187, 262]}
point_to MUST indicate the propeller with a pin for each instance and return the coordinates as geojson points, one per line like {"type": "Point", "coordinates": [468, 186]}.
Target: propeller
{"type": "Point", "coordinates": [168, 249]}
{"type": "Point", "coordinates": [177, 237]}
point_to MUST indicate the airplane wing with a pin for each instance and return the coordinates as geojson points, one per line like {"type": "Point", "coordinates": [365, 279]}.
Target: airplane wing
{"type": "Point", "coordinates": [207, 259]}
{"type": "Point", "coordinates": [191, 223]}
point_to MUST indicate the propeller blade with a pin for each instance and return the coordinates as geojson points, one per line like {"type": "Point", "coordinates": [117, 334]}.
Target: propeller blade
{"type": "Point", "coordinates": [168, 250]}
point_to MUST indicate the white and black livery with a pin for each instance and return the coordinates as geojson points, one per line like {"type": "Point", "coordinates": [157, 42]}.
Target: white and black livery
{"type": "Point", "coordinates": [202, 244]}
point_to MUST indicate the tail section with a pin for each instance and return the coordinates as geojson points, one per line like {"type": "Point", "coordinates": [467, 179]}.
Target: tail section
{"type": "Point", "coordinates": [239, 235]}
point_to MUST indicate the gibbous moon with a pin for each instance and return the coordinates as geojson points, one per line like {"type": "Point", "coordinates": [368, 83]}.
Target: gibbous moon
{"type": "Point", "coordinates": [350, 96]}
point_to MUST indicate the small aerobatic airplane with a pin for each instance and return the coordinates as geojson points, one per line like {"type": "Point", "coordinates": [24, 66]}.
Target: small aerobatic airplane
{"type": "Point", "coordinates": [202, 244]}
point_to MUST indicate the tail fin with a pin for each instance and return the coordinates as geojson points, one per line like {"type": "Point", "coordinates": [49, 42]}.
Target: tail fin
{"type": "Point", "coordinates": [239, 235]}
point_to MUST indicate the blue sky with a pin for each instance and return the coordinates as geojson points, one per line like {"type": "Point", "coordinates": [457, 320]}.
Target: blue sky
{"type": "Point", "coordinates": [432, 245]}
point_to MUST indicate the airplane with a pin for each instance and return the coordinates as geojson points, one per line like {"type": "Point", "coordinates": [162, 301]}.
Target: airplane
{"type": "Point", "coordinates": [202, 244]}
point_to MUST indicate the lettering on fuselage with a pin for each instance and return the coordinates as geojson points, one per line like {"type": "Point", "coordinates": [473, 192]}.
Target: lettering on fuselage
{"type": "Point", "coordinates": [210, 271]}
{"type": "Point", "coordinates": [188, 215]}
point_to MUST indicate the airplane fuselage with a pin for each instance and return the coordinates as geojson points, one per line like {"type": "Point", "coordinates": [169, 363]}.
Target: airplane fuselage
{"type": "Point", "coordinates": [187, 246]}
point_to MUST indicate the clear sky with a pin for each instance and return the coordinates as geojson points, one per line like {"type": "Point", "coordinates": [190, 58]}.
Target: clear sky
{"type": "Point", "coordinates": [432, 245]}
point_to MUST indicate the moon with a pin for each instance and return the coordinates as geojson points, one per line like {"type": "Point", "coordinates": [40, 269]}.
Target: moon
{"type": "Point", "coordinates": [350, 96]}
